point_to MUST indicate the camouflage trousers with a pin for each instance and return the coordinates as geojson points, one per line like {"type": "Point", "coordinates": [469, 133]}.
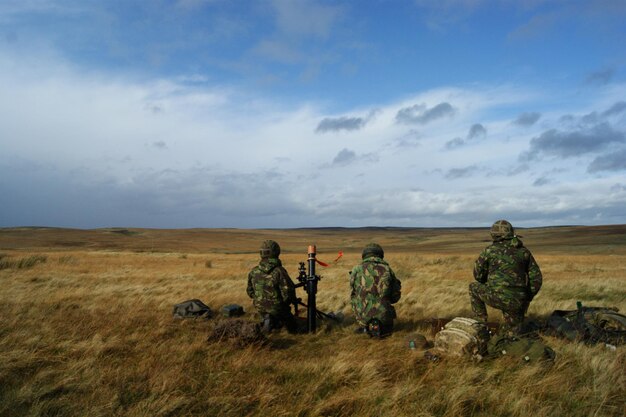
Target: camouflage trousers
{"type": "Point", "coordinates": [383, 313]}
{"type": "Point", "coordinates": [512, 304]}
{"type": "Point", "coordinates": [272, 322]}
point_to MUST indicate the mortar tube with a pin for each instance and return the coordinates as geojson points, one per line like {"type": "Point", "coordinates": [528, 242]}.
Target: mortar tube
{"type": "Point", "coordinates": [311, 290]}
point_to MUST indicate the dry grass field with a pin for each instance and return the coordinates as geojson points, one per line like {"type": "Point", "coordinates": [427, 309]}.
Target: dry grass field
{"type": "Point", "coordinates": [86, 327]}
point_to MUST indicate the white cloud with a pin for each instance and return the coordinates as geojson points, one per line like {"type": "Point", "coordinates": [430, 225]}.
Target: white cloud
{"type": "Point", "coordinates": [109, 150]}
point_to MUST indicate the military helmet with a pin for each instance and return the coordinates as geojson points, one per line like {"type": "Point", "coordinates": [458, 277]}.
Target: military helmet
{"type": "Point", "coordinates": [502, 230]}
{"type": "Point", "coordinates": [269, 249]}
{"type": "Point", "coordinates": [373, 249]}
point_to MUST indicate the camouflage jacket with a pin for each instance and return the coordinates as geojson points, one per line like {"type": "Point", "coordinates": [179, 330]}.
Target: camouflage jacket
{"type": "Point", "coordinates": [374, 288]}
{"type": "Point", "coordinates": [271, 289]}
{"type": "Point", "coordinates": [507, 265]}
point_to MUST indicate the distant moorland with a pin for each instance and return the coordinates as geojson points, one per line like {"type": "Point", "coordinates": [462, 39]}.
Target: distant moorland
{"type": "Point", "coordinates": [86, 326]}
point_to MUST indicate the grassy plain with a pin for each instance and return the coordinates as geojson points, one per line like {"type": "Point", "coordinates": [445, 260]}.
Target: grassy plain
{"type": "Point", "coordinates": [87, 330]}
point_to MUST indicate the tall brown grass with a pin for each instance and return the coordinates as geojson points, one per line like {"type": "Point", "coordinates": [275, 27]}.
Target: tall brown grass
{"type": "Point", "coordinates": [89, 332]}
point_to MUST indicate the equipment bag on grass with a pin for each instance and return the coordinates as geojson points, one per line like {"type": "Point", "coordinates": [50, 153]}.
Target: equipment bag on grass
{"type": "Point", "coordinates": [192, 309]}
{"type": "Point", "coordinates": [462, 337]}
{"type": "Point", "coordinates": [589, 324]}
{"type": "Point", "coordinates": [527, 348]}
{"type": "Point", "coordinates": [232, 310]}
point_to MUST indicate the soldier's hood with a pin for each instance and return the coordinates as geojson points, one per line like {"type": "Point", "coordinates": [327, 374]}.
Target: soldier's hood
{"type": "Point", "coordinates": [267, 264]}
{"type": "Point", "coordinates": [375, 259]}
{"type": "Point", "coordinates": [515, 241]}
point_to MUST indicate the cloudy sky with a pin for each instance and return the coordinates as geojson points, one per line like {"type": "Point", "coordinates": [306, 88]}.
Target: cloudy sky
{"type": "Point", "coordinates": [295, 113]}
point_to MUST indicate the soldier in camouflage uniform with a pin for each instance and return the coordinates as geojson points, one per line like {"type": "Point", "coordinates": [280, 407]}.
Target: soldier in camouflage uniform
{"type": "Point", "coordinates": [507, 276]}
{"type": "Point", "coordinates": [374, 288]}
{"type": "Point", "coordinates": [272, 290]}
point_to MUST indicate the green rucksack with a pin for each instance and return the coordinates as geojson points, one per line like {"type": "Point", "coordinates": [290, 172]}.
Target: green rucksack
{"type": "Point", "coordinates": [528, 348]}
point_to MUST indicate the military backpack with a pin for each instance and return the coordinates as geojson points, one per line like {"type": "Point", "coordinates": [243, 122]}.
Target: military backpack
{"type": "Point", "coordinates": [462, 337]}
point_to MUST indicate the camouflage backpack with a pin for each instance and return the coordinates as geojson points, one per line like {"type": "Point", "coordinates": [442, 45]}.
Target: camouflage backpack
{"type": "Point", "coordinates": [192, 309]}
{"type": "Point", "coordinates": [462, 337]}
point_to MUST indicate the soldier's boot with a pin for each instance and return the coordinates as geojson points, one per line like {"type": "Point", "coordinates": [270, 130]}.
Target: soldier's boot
{"type": "Point", "coordinates": [291, 324]}
{"type": "Point", "coordinates": [374, 328]}
{"type": "Point", "coordinates": [266, 324]}
{"type": "Point", "coordinates": [378, 329]}
{"type": "Point", "coordinates": [512, 322]}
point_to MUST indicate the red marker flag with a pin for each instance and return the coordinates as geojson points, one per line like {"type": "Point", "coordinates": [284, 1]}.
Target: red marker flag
{"type": "Point", "coordinates": [321, 263]}
{"type": "Point", "coordinates": [325, 264]}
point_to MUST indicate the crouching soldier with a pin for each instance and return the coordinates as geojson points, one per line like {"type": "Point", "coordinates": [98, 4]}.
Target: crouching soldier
{"type": "Point", "coordinates": [374, 288]}
{"type": "Point", "coordinates": [272, 290]}
{"type": "Point", "coordinates": [507, 277]}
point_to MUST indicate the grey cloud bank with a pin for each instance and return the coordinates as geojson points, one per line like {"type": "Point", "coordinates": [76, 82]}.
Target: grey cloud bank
{"type": "Point", "coordinates": [610, 162]}
{"type": "Point", "coordinates": [202, 113]}
{"type": "Point", "coordinates": [166, 198]}
{"type": "Point", "coordinates": [594, 117]}
{"type": "Point", "coordinates": [421, 114]}
{"type": "Point", "coordinates": [600, 77]}
{"type": "Point", "coordinates": [347, 157]}
{"type": "Point", "coordinates": [344, 157]}
{"type": "Point", "coordinates": [454, 143]}
{"type": "Point", "coordinates": [461, 172]}
{"type": "Point", "coordinates": [203, 197]}
{"type": "Point", "coordinates": [615, 109]}
{"type": "Point", "coordinates": [575, 143]}
{"type": "Point", "coordinates": [210, 159]}
{"type": "Point", "coordinates": [340, 123]}
{"type": "Point", "coordinates": [476, 131]}
{"type": "Point", "coordinates": [527, 119]}
{"type": "Point", "coordinates": [410, 139]}
{"type": "Point", "coordinates": [336, 124]}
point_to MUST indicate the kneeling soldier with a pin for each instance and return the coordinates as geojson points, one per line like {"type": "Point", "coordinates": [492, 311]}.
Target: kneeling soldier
{"type": "Point", "coordinates": [272, 290]}
{"type": "Point", "coordinates": [507, 276]}
{"type": "Point", "coordinates": [374, 288]}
